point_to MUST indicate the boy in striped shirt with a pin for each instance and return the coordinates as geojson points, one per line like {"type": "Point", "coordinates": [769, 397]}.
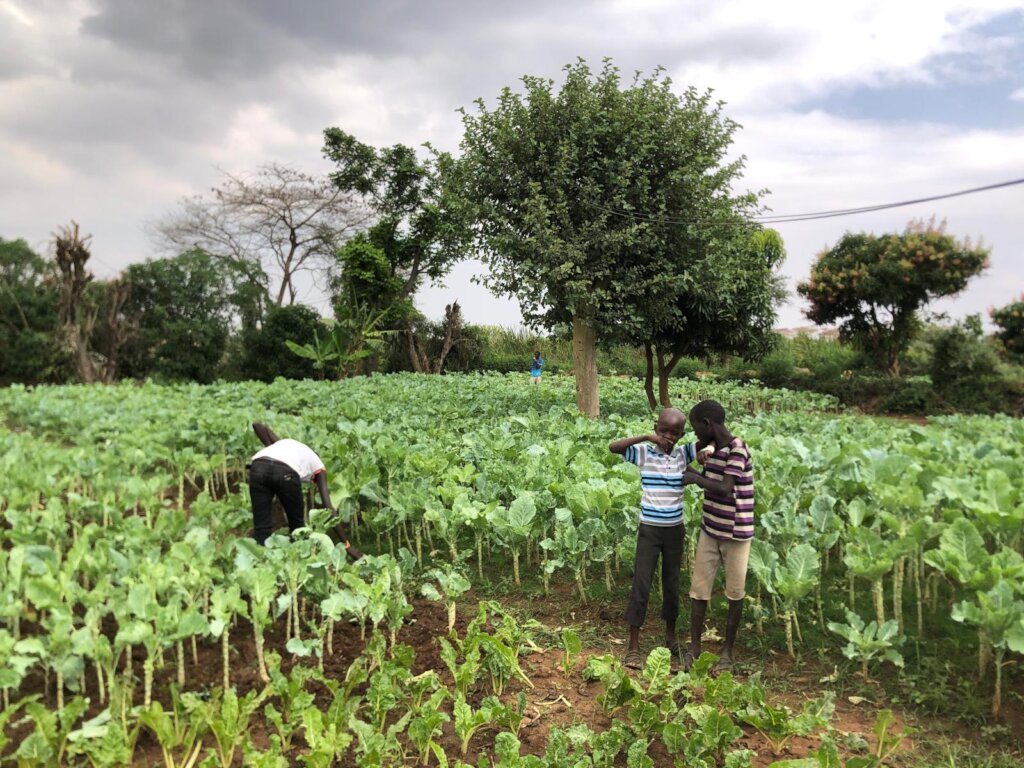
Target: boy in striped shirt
{"type": "Point", "coordinates": [662, 464]}
{"type": "Point", "coordinates": [726, 528]}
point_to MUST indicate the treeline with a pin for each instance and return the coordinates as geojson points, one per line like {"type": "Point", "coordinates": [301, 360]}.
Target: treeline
{"type": "Point", "coordinates": [613, 213]}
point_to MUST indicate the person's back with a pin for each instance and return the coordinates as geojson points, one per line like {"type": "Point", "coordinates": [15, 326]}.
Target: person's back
{"type": "Point", "coordinates": [298, 456]}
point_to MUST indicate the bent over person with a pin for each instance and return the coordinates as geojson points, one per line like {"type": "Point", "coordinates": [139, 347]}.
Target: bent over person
{"type": "Point", "coordinates": [279, 470]}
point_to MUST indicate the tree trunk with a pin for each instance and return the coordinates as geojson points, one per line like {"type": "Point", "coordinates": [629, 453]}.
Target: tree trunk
{"type": "Point", "coordinates": [584, 348]}
{"type": "Point", "coordinates": [664, 372]}
{"type": "Point", "coordinates": [453, 331]}
{"type": "Point", "coordinates": [418, 357]}
{"type": "Point", "coordinates": [649, 376]}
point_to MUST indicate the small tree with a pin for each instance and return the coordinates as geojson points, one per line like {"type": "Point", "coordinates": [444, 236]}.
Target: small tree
{"type": "Point", "coordinates": [873, 286]}
{"type": "Point", "coordinates": [727, 307]}
{"type": "Point", "coordinates": [1010, 322]}
{"type": "Point", "coordinates": [417, 235]}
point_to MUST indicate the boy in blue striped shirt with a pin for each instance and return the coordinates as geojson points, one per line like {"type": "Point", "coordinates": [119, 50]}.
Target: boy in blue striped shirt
{"type": "Point", "coordinates": [662, 464]}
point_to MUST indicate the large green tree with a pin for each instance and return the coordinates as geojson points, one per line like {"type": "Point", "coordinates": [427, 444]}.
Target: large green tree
{"type": "Point", "coordinates": [874, 285]}
{"type": "Point", "coordinates": [417, 234]}
{"type": "Point", "coordinates": [28, 315]}
{"type": "Point", "coordinates": [596, 204]}
{"type": "Point", "coordinates": [183, 309]}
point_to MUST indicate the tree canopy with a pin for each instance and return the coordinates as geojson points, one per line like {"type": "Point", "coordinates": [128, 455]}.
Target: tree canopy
{"type": "Point", "coordinates": [183, 309]}
{"type": "Point", "coordinates": [28, 315]}
{"type": "Point", "coordinates": [874, 285]}
{"type": "Point", "coordinates": [596, 205]}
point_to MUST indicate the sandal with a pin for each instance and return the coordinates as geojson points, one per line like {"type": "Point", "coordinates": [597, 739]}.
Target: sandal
{"type": "Point", "coordinates": [633, 660]}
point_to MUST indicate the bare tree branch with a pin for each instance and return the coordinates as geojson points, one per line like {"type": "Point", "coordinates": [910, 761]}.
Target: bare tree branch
{"type": "Point", "coordinates": [281, 219]}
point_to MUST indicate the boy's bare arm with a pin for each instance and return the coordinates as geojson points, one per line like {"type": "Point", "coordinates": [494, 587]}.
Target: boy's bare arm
{"type": "Point", "coordinates": [723, 487]}
{"type": "Point", "coordinates": [620, 446]}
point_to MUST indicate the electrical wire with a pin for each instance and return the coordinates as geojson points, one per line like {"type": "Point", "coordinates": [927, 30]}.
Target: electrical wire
{"type": "Point", "coordinates": [811, 216]}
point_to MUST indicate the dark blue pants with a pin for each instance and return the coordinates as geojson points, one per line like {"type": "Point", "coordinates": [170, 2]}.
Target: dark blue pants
{"type": "Point", "coordinates": [652, 542]}
{"type": "Point", "coordinates": [267, 479]}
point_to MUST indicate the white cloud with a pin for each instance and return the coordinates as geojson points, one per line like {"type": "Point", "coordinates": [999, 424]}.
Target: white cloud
{"type": "Point", "coordinates": [1017, 95]}
{"type": "Point", "coordinates": [113, 124]}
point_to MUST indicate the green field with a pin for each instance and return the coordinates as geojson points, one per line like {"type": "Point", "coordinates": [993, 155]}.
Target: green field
{"type": "Point", "coordinates": [140, 625]}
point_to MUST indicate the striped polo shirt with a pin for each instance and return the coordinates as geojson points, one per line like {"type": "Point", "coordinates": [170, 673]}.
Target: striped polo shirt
{"type": "Point", "coordinates": [731, 517]}
{"type": "Point", "coordinates": [661, 478]}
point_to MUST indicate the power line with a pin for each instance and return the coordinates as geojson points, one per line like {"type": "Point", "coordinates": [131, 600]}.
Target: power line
{"type": "Point", "coordinates": [797, 217]}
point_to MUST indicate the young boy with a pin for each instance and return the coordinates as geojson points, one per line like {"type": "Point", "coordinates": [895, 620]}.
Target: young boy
{"type": "Point", "coordinates": [661, 465]}
{"type": "Point", "coordinates": [726, 528]}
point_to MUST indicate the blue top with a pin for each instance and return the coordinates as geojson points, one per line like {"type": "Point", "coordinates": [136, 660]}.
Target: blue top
{"type": "Point", "coordinates": [535, 366]}
{"type": "Point", "coordinates": [661, 479]}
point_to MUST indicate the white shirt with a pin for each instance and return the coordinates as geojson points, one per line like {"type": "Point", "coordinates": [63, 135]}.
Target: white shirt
{"type": "Point", "coordinates": [296, 455]}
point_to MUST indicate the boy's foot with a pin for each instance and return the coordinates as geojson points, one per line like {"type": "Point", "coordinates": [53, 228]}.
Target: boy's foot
{"type": "Point", "coordinates": [688, 661]}
{"type": "Point", "coordinates": [724, 664]}
{"type": "Point", "coordinates": [633, 659]}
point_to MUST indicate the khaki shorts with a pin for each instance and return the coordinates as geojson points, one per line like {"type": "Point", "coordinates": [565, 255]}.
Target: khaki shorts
{"type": "Point", "coordinates": [711, 553]}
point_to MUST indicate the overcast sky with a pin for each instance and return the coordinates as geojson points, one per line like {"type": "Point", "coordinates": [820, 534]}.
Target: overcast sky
{"type": "Point", "coordinates": [112, 110]}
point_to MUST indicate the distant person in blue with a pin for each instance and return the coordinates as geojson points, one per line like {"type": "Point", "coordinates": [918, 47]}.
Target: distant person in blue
{"type": "Point", "coordinates": [535, 366]}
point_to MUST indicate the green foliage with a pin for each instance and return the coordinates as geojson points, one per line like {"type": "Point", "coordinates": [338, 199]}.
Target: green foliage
{"type": "Point", "coordinates": [417, 233]}
{"type": "Point", "coordinates": [965, 369]}
{"type": "Point", "coordinates": [265, 357]}
{"type": "Point", "coordinates": [365, 276]}
{"type": "Point", "coordinates": [28, 316]}
{"type": "Point", "coordinates": [544, 170]}
{"type": "Point", "coordinates": [874, 285]}
{"type": "Point", "coordinates": [183, 308]}
{"type": "Point", "coordinates": [1010, 322]}
{"type": "Point", "coordinates": [865, 643]}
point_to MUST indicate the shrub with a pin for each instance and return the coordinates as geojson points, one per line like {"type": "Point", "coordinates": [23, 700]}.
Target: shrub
{"type": "Point", "coordinates": [965, 369]}
{"type": "Point", "coordinates": [688, 368]}
{"type": "Point", "coordinates": [1010, 321]}
{"type": "Point", "coordinates": [910, 395]}
{"type": "Point", "coordinates": [777, 368]}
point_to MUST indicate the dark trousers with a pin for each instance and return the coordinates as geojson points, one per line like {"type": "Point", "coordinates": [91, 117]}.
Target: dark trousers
{"type": "Point", "coordinates": [267, 479]}
{"type": "Point", "coordinates": [653, 541]}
